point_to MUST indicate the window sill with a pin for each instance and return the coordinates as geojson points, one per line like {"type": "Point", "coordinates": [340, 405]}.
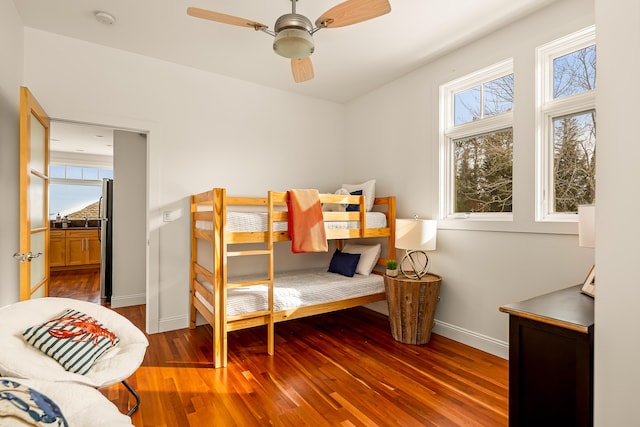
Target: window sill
{"type": "Point", "coordinates": [508, 225]}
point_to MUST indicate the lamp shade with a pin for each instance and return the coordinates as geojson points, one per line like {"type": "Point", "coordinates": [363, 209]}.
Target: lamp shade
{"type": "Point", "coordinates": [587, 226]}
{"type": "Point", "coordinates": [416, 234]}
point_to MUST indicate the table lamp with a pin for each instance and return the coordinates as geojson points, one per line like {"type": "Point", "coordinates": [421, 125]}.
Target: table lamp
{"type": "Point", "coordinates": [416, 236]}
{"type": "Point", "coordinates": [587, 239]}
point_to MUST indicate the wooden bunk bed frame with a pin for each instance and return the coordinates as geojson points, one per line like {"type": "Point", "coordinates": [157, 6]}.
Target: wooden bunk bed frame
{"type": "Point", "coordinates": [216, 204]}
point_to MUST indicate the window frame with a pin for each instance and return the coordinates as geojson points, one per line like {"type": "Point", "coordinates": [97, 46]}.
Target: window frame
{"type": "Point", "coordinates": [448, 133]}
{"type": "Point", "coordinates": [547, 109]}
{"type": "Point", "coordinates": [79, 181]}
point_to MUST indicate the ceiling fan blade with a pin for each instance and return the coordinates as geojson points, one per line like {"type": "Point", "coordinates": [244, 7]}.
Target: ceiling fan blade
{"type": "Point", "coordinates": [302, 69]}
{"type": "Point", "coordinates": [225, 19]}
{"type": "Point", "coordinates": [353, 11]}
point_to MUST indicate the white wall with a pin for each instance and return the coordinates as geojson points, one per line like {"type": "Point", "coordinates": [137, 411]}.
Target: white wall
{"type": "Point", "coordinates": [618, 280]}
{"type": "Point", "coordinates": [129, 218]}
{"type": "Point", "coordinates": [481, 269]}
{"type": "Point", "coordinates": [11, 52]}
{"type": "Point", "coordinates": [204, 131]}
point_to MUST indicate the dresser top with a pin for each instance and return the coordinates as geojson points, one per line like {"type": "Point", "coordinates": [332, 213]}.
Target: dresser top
{"type": "Point", "coordinates": [567, 308]}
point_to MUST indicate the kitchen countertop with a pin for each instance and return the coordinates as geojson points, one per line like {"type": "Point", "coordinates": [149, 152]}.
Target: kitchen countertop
{"type": "Point", "coordinates": [75, 228]}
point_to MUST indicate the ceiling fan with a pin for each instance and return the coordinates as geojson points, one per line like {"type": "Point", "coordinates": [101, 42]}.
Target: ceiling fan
{"type": "Point", "coordinates": [293, 32]}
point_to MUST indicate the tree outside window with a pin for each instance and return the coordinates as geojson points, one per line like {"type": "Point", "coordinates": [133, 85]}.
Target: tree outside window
{"type": "Point", "coordinates": [478, 141]}
{"type": "Point", "coordinates": [567, 118]}
{"type": "Point", "coordinates": [484, 172]}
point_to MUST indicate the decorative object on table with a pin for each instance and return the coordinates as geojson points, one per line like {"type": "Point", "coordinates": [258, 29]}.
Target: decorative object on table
{"type": "Point", "coordinates": [392, 268]}
{"type": "Point", "coordinates": [416, 236]}
{"type": "Point", "coordinates": [587, 239]}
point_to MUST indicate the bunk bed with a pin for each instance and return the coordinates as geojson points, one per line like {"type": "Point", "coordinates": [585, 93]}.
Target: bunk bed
{"type": "Point", "coordinates": [224, 226]}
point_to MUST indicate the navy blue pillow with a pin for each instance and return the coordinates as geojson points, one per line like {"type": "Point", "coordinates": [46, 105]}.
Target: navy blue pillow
{"type": "Point", "coordinates": [354, 208]}
{"type": "Point", "coordinates": [344, 263]}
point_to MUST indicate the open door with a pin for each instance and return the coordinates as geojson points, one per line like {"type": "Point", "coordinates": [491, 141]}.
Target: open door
{"type": "Point", "coordinates": [34, 206]}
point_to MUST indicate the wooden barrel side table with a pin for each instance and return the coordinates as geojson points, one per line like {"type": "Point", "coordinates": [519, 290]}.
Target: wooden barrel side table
{"type": "Point", "coordinates": [412, 305]}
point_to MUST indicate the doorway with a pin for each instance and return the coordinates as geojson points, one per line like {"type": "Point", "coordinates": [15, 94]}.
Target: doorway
{"type": "Point", "coordinates": [82, 155]}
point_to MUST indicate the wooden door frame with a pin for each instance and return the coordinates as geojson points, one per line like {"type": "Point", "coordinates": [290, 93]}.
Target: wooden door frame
{"type": "Point", "coordinates": [29, 106]}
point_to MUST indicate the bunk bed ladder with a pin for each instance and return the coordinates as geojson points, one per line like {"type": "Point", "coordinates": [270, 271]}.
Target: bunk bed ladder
{"type": "Point", "coordinates": [266, 314]}
{"type": "Point", "coordinates": [271, 333]}
{"type": "Point", "coordinates": [220, 282]}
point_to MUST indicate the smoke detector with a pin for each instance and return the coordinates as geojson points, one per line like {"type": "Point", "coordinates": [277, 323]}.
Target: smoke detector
{"type": "Point", "coordinates": [105, 18]}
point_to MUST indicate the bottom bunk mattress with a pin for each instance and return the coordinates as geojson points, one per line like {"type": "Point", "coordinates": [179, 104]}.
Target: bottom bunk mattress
{"type": "Point", "coordinates": [294, 289]}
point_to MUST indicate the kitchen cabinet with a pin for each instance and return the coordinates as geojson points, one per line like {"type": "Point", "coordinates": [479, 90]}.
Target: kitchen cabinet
{"type": "Point", "coordinates": [82, 247]}
{"type": "Point", "coordinates": [57, 248]}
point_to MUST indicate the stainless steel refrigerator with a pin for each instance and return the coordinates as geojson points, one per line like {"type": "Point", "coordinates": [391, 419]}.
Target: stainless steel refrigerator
{"type": "Point", "coordinates": [105, 212]}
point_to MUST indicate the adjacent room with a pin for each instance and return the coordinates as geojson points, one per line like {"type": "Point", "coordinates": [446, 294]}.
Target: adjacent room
{"type": "Point", "coordinates": [431, 167]}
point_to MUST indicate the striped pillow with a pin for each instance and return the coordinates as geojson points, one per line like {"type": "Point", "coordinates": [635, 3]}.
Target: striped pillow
{"type": "Point", "coordinates": [73, 339]}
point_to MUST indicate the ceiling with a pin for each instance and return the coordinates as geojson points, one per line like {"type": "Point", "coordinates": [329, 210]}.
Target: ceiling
{"type": "Point", "coordinates": [80, 139]}
{"type": "Point", "coordinates": [348, 61]}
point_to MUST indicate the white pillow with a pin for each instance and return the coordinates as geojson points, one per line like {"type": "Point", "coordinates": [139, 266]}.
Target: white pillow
{"type": "Point", "coordinates": [336, 207]}
{"type": "Point", "coordinates": [369, 255]}
{"type": "Point", "coordinates": [368, 190]}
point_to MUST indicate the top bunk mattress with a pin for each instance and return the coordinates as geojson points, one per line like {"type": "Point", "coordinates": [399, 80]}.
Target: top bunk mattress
{"type": "Point", "coordinates": [258, 221]}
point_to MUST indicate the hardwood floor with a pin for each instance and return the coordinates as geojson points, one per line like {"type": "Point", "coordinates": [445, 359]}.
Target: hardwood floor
{"type": "Point", "coordinates": [77, 284]}
{"type": "Point", "coordinates": [338, 369]}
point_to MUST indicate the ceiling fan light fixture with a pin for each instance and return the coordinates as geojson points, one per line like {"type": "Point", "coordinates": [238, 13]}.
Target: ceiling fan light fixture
{"type": "Point", "coordinates": [294, 43]}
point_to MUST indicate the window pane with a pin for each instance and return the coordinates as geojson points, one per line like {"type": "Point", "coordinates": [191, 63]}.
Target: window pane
{"type": "Point", "coordinates": [498, 96]}
{"type": "Point", "coordinates": [70, 198]}
{"type": "Point", "coordinates": [574, 161]}
{"type": "Point", "coordinates": [37, 212]}
{"type": "Point", "coordinates": [466, 106]}
{"type": "Point", "coordinates": [56, 171]}
{"type": "Point", "coordinates": [106, 173]}
{"type": "Point", "coordinates": [90, 173]}
{"type": "Point", "coordinates": [74, 172]}
{"type": "Point", "coordinates": [575, 72]}
{"type": "Point", "coordinates": [484, 179]}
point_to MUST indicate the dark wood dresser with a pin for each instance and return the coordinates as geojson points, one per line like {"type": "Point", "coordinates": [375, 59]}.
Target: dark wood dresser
{"type": "Point", "coordinates": [551, 359]}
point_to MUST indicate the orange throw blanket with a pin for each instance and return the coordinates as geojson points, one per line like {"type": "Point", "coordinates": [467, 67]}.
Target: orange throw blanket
{"type": "Point", "coordinates": [306, 225]}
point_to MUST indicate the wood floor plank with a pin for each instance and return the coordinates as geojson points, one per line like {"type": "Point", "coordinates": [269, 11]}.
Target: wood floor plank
{"type": "Point", "coordinates": [337, 369]}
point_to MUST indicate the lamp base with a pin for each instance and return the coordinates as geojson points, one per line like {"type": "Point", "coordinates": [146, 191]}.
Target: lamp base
{"type": "Point", "coordinates": [419, 263]}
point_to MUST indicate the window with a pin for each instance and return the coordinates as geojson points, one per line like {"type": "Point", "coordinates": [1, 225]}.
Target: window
{"type": "Point", "coordinates": [566, 118]}
{"type": "Point", "coordinates": [72, 188]}
{"type": "Point", "coordinates": [476, 139]}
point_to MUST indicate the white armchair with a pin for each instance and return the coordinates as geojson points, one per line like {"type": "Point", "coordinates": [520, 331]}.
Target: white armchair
{"type": "Point", "coordinates": [20, 360]}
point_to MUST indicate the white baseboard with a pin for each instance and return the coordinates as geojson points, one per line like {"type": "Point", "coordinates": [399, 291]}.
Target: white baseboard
{"type": "Point", "coordinates": [128, 300]}
{"type": "Point", "coordinates": [172, 323]}
{"type": "Point", "coordinates": [482, 342]}
{"type": "Point", "coordinates": [456, 333]}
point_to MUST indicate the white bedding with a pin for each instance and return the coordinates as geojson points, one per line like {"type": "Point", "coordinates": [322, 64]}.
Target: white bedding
{"type": "Point", "coordinates": [258, 221]}
{"type": "Point", "coordinates": [297, 289]}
